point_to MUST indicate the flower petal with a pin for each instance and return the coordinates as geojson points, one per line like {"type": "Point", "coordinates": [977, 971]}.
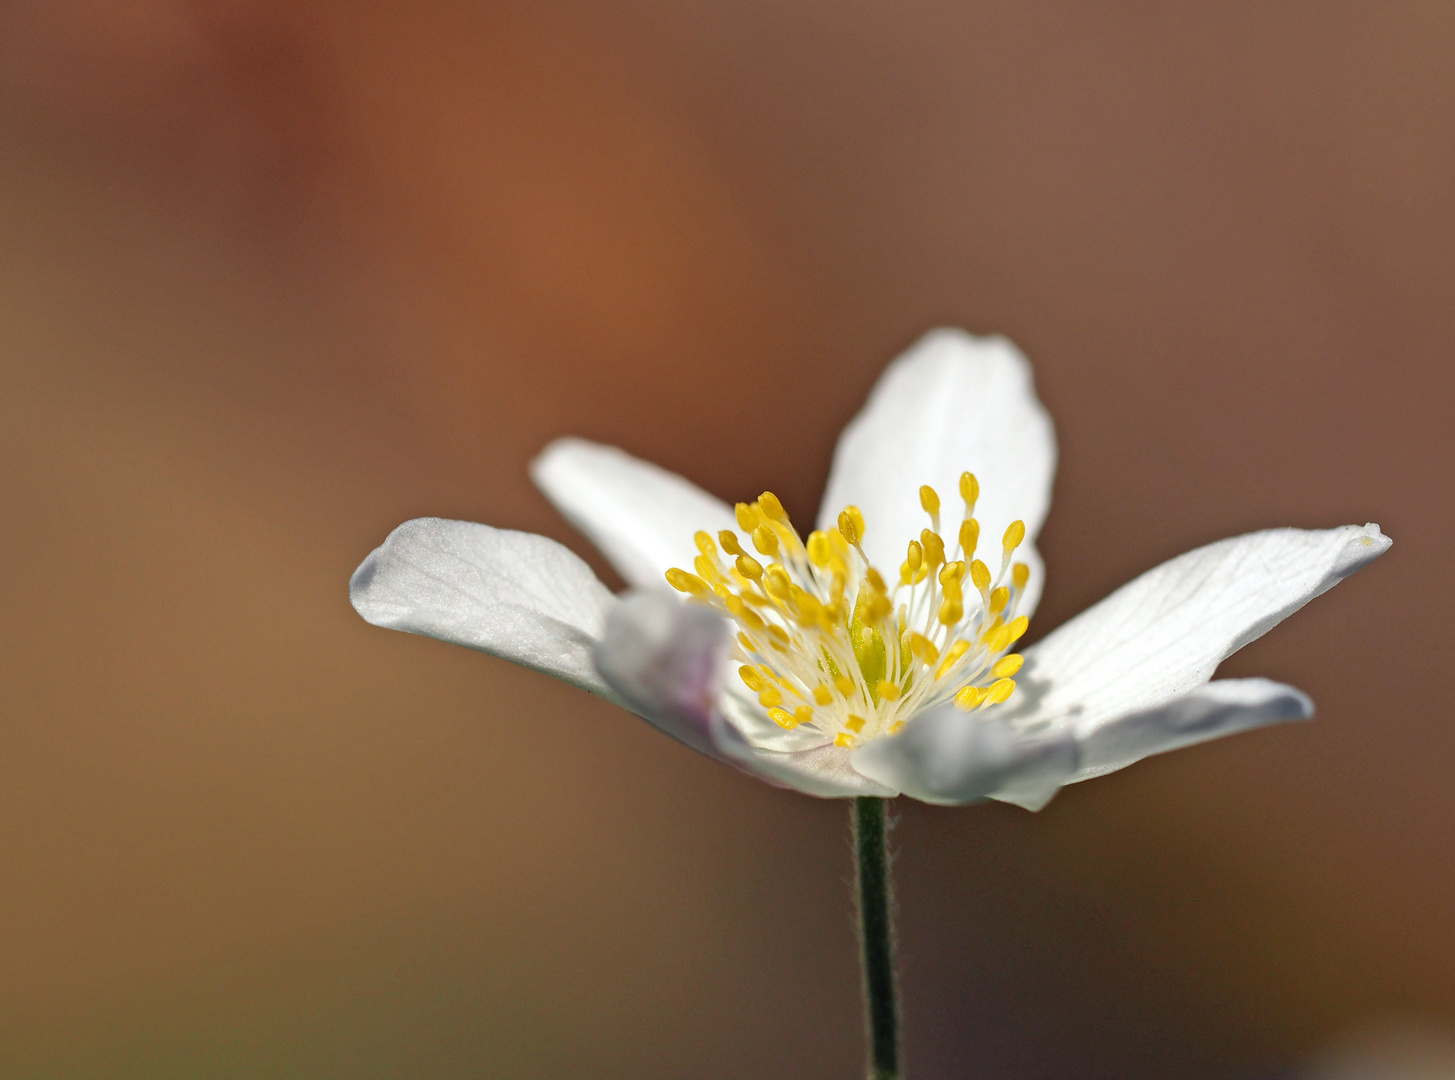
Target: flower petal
{"type": "Point", "coordinates": [640, 516]}
{"type": "Point", "coordinates": [952, 403]}
{"type": "Point", "coordinates": [511, 594]}
{"type": "Point", "coordinates": [950, 757]}
{"type": "Point", "coordinates": [826, 771]}
{"type": "Point", "coordinates": [1221, 707]}
{"type": "Point", "coordinates": [666, 658]}
{"type": "Point", "coordinates": [1165, 633]}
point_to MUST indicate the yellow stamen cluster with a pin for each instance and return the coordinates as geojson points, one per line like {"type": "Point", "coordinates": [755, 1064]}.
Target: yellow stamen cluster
{"type": "Point", "coordinates": [824, 640]}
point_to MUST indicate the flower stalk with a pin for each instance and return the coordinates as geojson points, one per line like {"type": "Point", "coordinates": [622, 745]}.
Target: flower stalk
{"type": "Point", "coordinates": [876, 935]}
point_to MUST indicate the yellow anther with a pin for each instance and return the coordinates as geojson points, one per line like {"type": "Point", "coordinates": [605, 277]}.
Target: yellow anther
{"type": "Point", "coordinates": [1013, 537]}
{"type": "Point", "coordinates": [952, 657]}
{"type": "Point", "coordinates": [999, 691]}
{"type": "Point", "coordinates": [951, 612]}
{"type": "Point", "coordinates": [770, 697]}
{"type": "Point", "coordinates": [876, 582]}
{"type": "Point", "coordinates": [820, 550]}
{"type": "Point", "coordinates": [953, 590]}
{"type": "Point", "coordinates": [844, 685]}
{"type": "Point", "coordinates": [777, 582]}
{"type": "Point", "coordinates": [1007, 665]}
{"type": "Point", "coordinates": [684, 582]}
{"type": "Point", "coordinates": [923, 647]}
{"type": "Point", "coordinates": [851, 524]}
{"type": "Point", "coordinates": [778, 636]}
{"type": "Point", "coordinates": [854, 723]}
{"type": "Point", "coordinates": [979, 574]}
{"type": "Point", "coordinates": [952, 571]}
{"type": "Point", "coordinates": [783, 718]}
{"type": "Point", "coordinates": [1020, 573]}
{"type": "Point", "coordinates": [704, 543]}
{"type": "Point", "coordinates": [823, 695]}
{"type": "Point", "coordinates": [969, 697]}
{"type": "Point", "coordinates": [765, 540]}
{"type": "Point", "coordinates": [770, 506]}
{"type": "Point", "coordinates": [969, 491]}
{"type": "Point", "coordinates": [929, 500]}
{"type": "Point", "coordinates": [748, 517]}
{"type": "Point", "coordinates": [744, 614]}
{"type": "Point", "coordinates": [749, 567]}
{"type": "Point", "coordinates": [1017, 627]}
{"type": "Point", "coordinates": [844, 739]}
{"type": "Point", "coordinates": [934, 548]}
{"type": "Point", "coordinates": [803, 714]}
{"type": "Point", "coordinates": [916, 556]}
{"type": "Point", "coordinates": [998, 640]}
{"type": "Point", "coordinates": [998, 599]}
{"type": "Point", "coordinates": [886, 690]}
{"type": "Point", "coordinates": [753, 677]}
{"type": "Point", "coordinates": [813, 616]}
{"type": "Point", "coordinates": [747, 643]}
{"type": "Point", "coordinates": [729, 541]}
{"type": "Point", "coordinates": [969, 536]}
{"type": "Point", "coordinates": [708, 571]}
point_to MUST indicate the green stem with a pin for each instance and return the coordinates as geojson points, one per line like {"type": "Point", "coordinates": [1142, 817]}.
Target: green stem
{"type": "Point", "coordinates": [876, 936]}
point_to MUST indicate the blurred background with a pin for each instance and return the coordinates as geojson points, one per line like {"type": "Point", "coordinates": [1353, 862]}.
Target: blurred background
{"type": "Point", "coordinates": [275, 277]}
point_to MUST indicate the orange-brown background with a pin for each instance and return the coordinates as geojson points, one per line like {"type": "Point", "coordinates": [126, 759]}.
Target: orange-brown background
{"type": "Point", "coordinates": [275, 277]}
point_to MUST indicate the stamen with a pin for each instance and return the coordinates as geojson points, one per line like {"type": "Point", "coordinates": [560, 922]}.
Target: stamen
{"type": "Point", "coordinates": [1013, 537]}
{"type": "Point", "coordinates": [1007, 666]}
{"type": "Point", "coordinates": [999, 691]}
{"type": "Point", "coordinates": [768, 503]}
{"type": "Point", "coordinates": [969, 491]}
{"type": "Point", "coordinates": [765, 540]}
{"type": "Point", "coordinates": [934, 548]}
{"type": "Point", "coordinates": [969, 536]}
{"type": "Point", "coordinates": [824, 640]}
{"type": "Point", "coordinates": [783, 718]}
{"type": "Point", "coordinates": [979, 575]}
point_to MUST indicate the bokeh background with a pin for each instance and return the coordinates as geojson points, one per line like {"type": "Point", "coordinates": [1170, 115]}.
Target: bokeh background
{"type": "Point", "coordinates": [275, 277]}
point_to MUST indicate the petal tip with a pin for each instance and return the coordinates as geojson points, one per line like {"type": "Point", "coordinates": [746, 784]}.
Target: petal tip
{"type": "Point", "coordinates": [1364, 546]}
{"type": "Point", "coordinates": [360, 581]}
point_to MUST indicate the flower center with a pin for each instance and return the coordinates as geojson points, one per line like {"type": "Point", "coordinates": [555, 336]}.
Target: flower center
{"type": "Point", "coordinates": [822, 638]}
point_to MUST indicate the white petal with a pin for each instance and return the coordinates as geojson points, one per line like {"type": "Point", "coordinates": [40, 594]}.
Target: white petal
{"type": "Point", "coordinates": [826, 771]}
{"type": "Point", "coordinates": [642, 517]}
{"type": "Point", "coordinates": [1165, 633]}
{"type": "Point", "coordinates": [1222, 707]}
{"type": "Point", "coordinates": [511, 594]}
{"type": "Point", "coordinates": [666, 658]}
{"type": "Point", "coordinates": [952, 403]}
{"type": "Point", "coordinates": [950, 757]}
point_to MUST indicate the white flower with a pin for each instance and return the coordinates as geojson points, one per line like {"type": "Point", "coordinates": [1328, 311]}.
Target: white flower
{"type": "Point", "coordinates": [821, 673]}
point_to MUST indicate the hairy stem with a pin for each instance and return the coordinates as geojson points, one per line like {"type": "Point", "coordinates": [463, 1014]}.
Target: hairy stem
{"type": "Point", "coordinates": [876, 936]}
